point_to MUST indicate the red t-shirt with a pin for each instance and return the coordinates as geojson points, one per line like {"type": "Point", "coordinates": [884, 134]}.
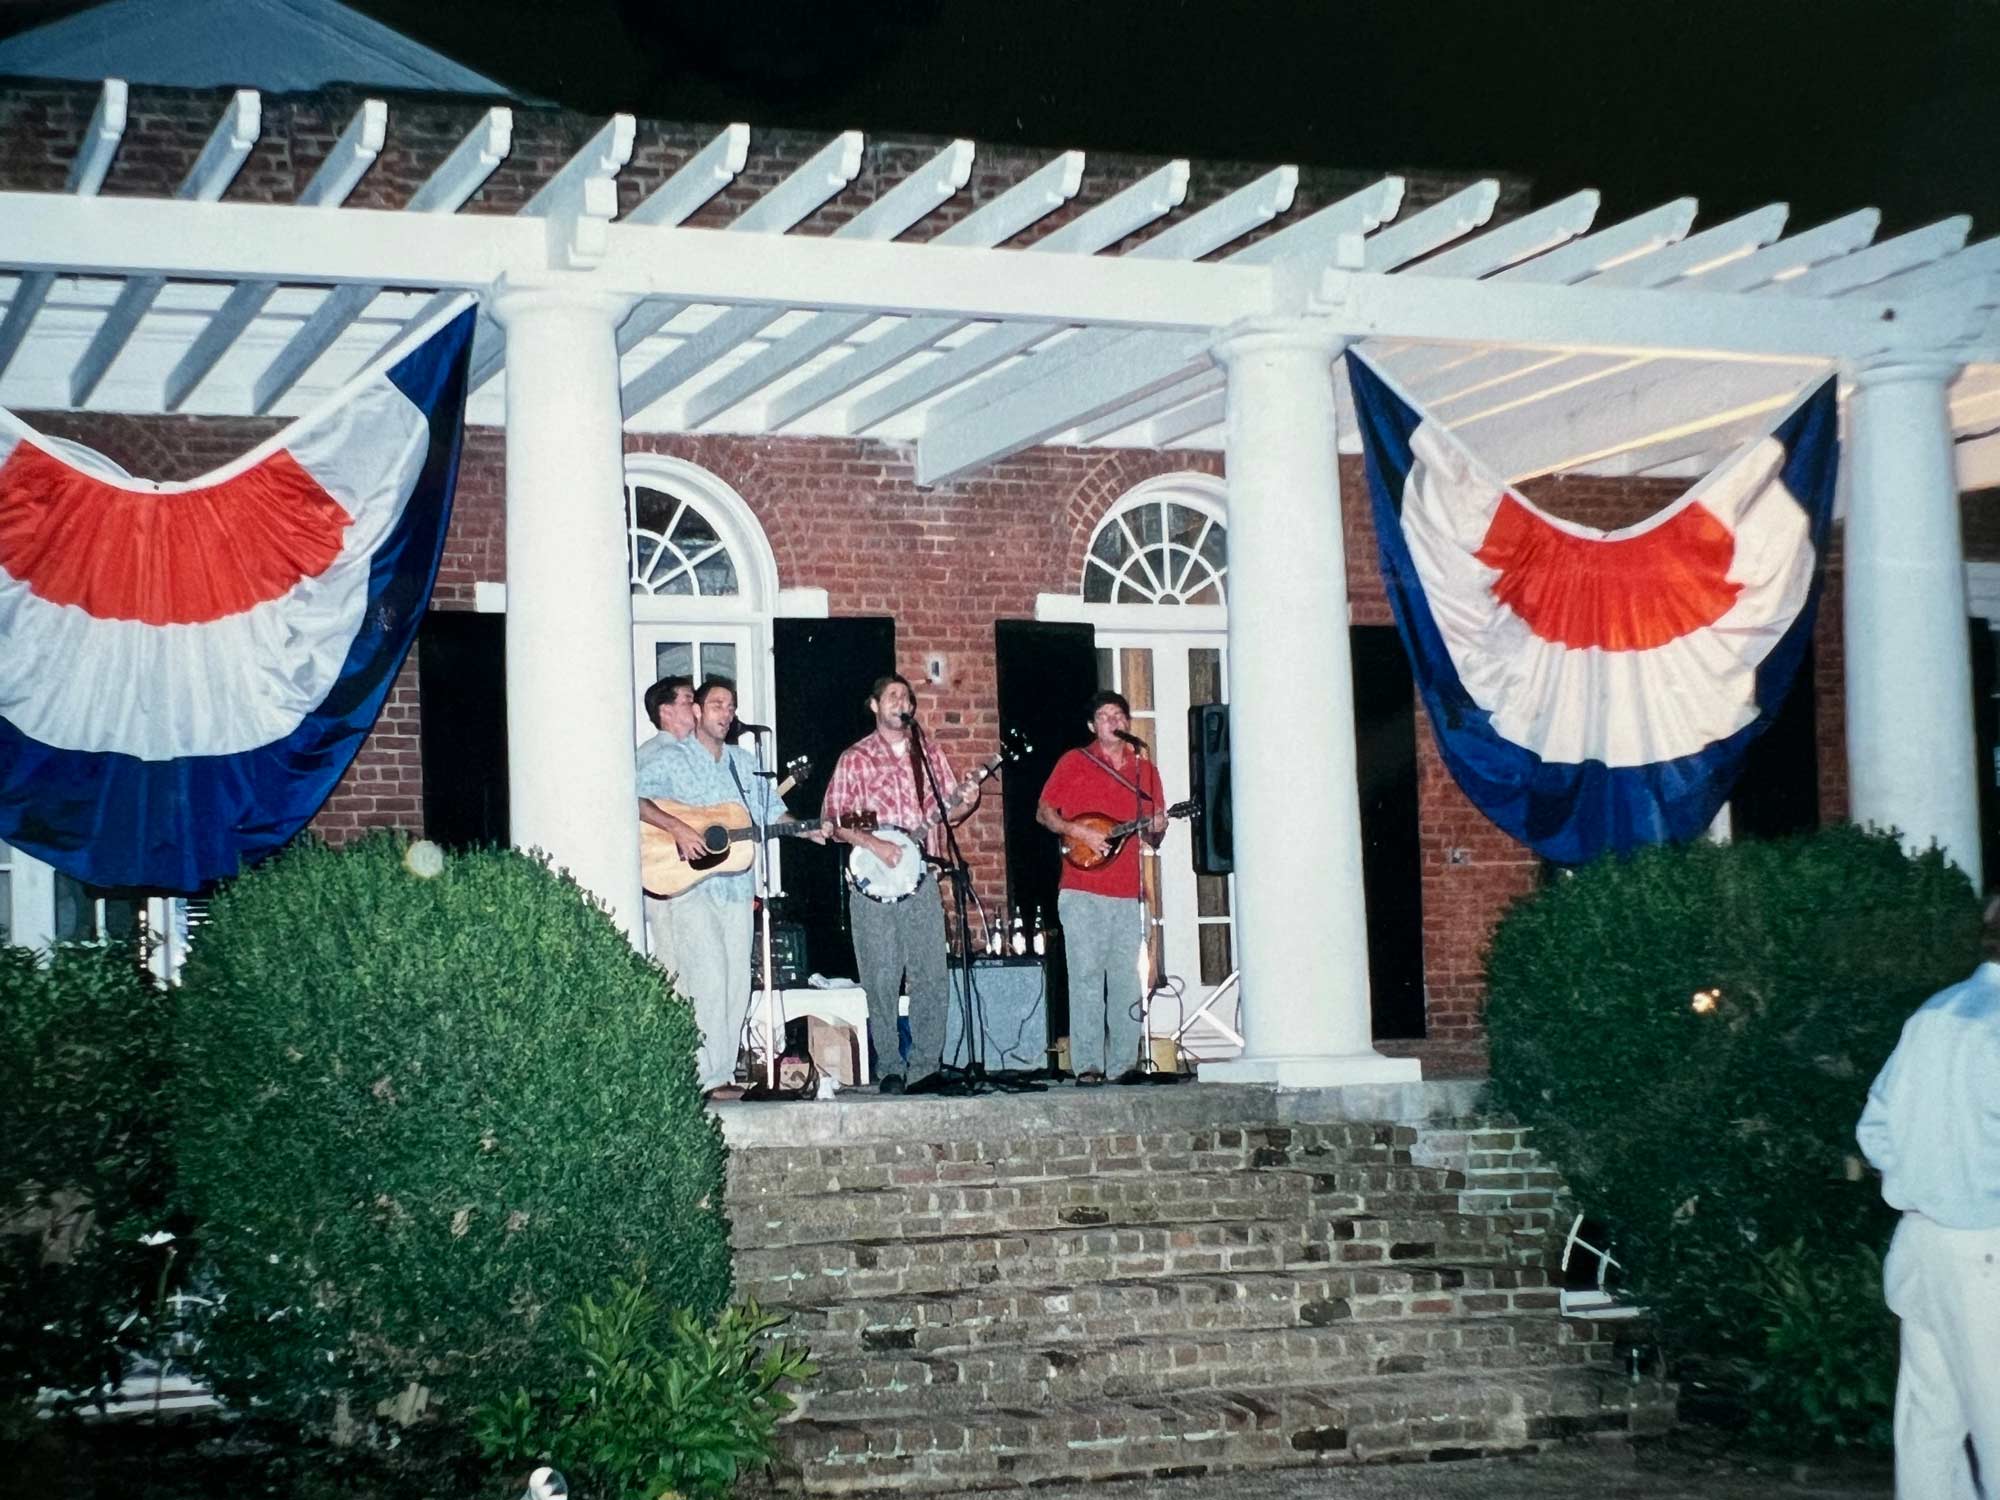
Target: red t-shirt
{"type": "Point", "coordinates": [1083, 783]}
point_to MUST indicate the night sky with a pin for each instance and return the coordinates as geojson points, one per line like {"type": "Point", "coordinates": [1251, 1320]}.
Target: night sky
{"type": "Point", "coordinates": [1829, 106]}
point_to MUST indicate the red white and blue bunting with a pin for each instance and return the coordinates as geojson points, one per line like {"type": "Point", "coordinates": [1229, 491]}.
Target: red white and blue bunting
{"type": "Point", "coordinates": [186, 669]}
{"type": "Point", "coordinates": [1595, 691]}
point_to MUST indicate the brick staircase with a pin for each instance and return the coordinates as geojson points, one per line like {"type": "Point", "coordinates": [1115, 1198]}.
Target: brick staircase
{"type": "Point", "coordinates": [1036, 1303]}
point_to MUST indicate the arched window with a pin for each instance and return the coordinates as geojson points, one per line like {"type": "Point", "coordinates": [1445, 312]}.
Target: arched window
{"type": "Point", "coordinates": [693, 538]}
{"type": "Point", "coordinates": [704, 582]}
{"type": "Point", "coordinates": [1165, 543]}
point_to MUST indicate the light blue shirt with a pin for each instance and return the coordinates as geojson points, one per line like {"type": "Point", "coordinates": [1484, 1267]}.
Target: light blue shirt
{"type": "Point", "coordinates": [1932, 1125]}
{"type": "Point", "coordinates": [652, 754]}
{"type": "Point", "coordinates": [686, 772]}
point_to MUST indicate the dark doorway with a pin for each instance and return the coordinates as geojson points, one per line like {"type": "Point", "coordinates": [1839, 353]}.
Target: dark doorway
{"type": "Point", "coordinates": [1986, 732]}
{"type": "Point", "coordinates": [1778, 792]}
{"type": "Point", "coordinates": [1385, 736]}
{"type": "Point", "coordinates": [822, 669]}
{"type": "Point", "coordinates": [1046, 673]}
{"type": "Point", "coordinates": [462, 731]}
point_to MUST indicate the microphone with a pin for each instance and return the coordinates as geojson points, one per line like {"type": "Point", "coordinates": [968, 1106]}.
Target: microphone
{"type": "Point", "coordinates": [739, 727]}
{"type": "Point", "coordinates": [1131, 739]}
{"type": "Point", "coordinates": [907, 717]}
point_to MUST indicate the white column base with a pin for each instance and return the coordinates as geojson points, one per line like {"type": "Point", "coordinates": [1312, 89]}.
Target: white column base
{"type": "Point", "coordinates": [1312, 1070]}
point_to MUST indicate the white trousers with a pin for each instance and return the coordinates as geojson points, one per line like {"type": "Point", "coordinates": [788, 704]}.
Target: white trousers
{"type": "Point", "coordinates": [705, 945]}
{"type": "Point", "coordinates": [1945, 1286]}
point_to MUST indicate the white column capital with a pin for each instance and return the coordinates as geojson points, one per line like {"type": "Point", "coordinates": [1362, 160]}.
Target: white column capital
{"type": "Point", "coordinates": [1895, 369]}
{"type": "Point", "coordinates": [1277, 335]}
{"type": "Point", "coordinates": [511, 299]}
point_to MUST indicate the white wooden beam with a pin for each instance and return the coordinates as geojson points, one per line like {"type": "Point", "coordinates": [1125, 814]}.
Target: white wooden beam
{"type": "Point", "coordinates": [1979, 462]}
{"type": "Point", "coordinates": [86, 175]}
{"type": "Point", "coordinates": [1629, 239]}
{"type": "Point", "coordinates": [1186, 421]}
{"type": "Point", "coordinates": [220, 160]}
{"type": "Point", "coordinates": [316, 246]}
{"type": "Point", "coordinates": [1036, 196]}
{"type": "Point", "coordinates": [1101, 381]}
{"type": "Point", "coordinates": [936, 182]}
{"type": "Point", "coordinates": [457, 178]}
{"type": "Point", "coordinates": [352, 155]}
{"type": "Point", "coordinates": [801, 194]}
{"type": "Point", "coordinates": [1795, 253]}
{"type": "Point", "coordinates": [1891, 257]}
{"type": "Point", "coordinates": [1107, 223]}
{"type": "Point", "coordinates": [1199, 234]}
{"type": "Point", "coordinates": [1483, 371]}
{"type": "Point", "coordinates": [576, 204]}
{"type": "Point", "coordinates": [1702, 251]}
{"type": "Point", "coordinates": [1202, 378]}
{"type": "Point", "coordinates": [1982, 259]}
{"type": "Point", "coordinates": [1075, 393]}
{"type": "Point", "coordinates": [1506, 245]}
{"type": "Point", "coordinates": [696, 180]}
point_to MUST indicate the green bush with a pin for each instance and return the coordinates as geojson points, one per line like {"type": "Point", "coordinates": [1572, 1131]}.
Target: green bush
{"type": "Point", "coordinates": [641, 1415]}
{"type": "Point", "coordinates": [1692, 1031]}
{"type": "Point", "coordinates": [418, 1117]}
{"type": "Point", "coordinates": [1826, 1375]}
{"type": "Point", "coordinates": [83, 1042]}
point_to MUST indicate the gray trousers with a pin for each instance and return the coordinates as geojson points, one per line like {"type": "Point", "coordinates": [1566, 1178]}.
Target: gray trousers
{"type": "Point", "coordinates": [1101, 936]}
{"type": "Point", "coordinates": [905, 937]}
{"type": "Point", "coordinates": [706, 946]}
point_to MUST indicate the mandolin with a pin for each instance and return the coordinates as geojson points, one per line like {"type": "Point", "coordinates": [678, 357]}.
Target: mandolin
{"type": "Point", "coordinates": [1083, 857]}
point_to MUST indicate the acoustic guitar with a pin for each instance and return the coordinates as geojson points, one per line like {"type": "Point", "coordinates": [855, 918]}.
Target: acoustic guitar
{"type": "Point", "coordinates": [729, 835]}
{"type": "Point", "coordinates": [1082, 857]}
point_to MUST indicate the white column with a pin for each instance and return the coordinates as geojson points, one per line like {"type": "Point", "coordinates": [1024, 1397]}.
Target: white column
{"type": "Point", "coordinates": [1301, 926]}
{"type": "Point", "coordinates": [1912, 749]}
{"type": "Point", "coordinates": [569, 603]}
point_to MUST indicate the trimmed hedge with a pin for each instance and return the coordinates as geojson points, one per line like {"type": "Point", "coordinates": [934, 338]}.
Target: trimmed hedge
{"type": "Point", "coordinates": [1711, 1137]}
{"type": "Point", "coordinates": [83, 1043]}
{"type": "Point", "coordinates": [417, 1118]}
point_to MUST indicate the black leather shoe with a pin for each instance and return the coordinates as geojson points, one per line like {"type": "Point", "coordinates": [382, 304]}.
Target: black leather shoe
{"type": "Point", "coordinates": [892, 1083]}
{"type": "Point", "coordinates": [1135, 1075]}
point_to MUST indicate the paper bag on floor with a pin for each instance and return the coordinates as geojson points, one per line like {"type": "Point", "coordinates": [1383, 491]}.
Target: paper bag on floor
{"type": "Point", "coordinates": [835, 1049]}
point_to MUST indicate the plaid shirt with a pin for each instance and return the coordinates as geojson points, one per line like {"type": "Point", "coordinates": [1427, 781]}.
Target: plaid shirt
{"type": "Point", "coordinates": [871, 776]}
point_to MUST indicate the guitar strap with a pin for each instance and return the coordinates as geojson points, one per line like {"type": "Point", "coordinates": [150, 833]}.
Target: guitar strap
{"type": "Point", "coordinates": [1118, 776]}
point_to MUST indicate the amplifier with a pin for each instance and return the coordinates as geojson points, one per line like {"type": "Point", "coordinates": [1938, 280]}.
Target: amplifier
{"type": "Point", "coordinates": [788, 956]}
{"type": "Point", "coordinates": [1013, 1005]}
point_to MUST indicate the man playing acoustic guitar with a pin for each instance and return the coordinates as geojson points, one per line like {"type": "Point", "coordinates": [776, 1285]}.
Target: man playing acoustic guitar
{"type": "Point", "coordinates": [880, 774]}
{"type": "Point", "coordinates": [708, 926]}
{"type": "Point", "coordinates": [1103, 914]}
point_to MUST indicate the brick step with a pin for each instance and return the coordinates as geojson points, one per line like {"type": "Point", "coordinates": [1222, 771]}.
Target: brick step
{"type": "Point", "coordinates": [1446, 1239]}
{"type": "Point", "coordinates": [802, 1274]}
{"type": "Point", "coordinates": [927, 1212]}
{"type": "Point", "coordinates": [876, 1386]}
{"type": "Point", "coordinates": [773, 1171]}
{"type": "Point", "coordinates": [1254, 1427]}
{"type": "Point", "coordinates": [999, 1317]}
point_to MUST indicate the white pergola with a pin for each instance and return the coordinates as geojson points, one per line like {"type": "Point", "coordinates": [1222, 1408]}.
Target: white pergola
{"type": "Point", "coordinates": [1644, 347]}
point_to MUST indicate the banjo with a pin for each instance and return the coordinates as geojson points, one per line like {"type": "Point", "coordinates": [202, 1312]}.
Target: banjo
{"type": "Point", "coordinates": [881, 881]}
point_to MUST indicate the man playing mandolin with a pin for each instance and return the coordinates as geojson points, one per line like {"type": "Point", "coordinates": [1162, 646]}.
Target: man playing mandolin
{"type": "Point", "coordinates": [880, 773]}
{"type": "Point", "coordinates": [1106, 782]}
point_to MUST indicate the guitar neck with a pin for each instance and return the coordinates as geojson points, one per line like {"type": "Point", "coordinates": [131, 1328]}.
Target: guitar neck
{"type": "Point", "coordinates": [938, 814]}
{"type": "Point", "coordinates": [779, 830]}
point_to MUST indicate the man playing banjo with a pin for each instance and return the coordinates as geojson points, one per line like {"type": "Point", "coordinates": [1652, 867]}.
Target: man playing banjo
{"type": "Point", "coordinates": [1102, 907]}
{"type": "Point", "coordinates": [892, 904]}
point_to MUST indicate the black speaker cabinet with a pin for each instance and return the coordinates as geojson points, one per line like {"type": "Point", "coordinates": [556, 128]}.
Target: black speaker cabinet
{"type": "Point", "coordinates": [1013, 1010]}
{"type": "Point", "coordinates": [1208, 780]}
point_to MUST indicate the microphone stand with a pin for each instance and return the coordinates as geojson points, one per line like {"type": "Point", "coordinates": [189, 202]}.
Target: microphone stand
{"type": "Point", "coordinates": [1151, 987]}
{"type": "Point", "coordinates": [973, 1078]}
{"type": "Point", "coordinates": [759, 825]}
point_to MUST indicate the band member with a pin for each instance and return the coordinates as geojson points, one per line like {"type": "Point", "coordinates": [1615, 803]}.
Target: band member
{"type": "Point", "coordinates": [883, 773]}
{"type": "Point", "coordinates": [670, 710]}
{"type": "Point", "coordinates": [1102, 910]}
{"type": "Point", "coordinates": [708, 926]}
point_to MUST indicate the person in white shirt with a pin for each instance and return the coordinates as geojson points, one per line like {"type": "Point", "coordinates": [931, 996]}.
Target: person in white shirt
{"type": "Point", "coordinates": [1932, 1128]}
